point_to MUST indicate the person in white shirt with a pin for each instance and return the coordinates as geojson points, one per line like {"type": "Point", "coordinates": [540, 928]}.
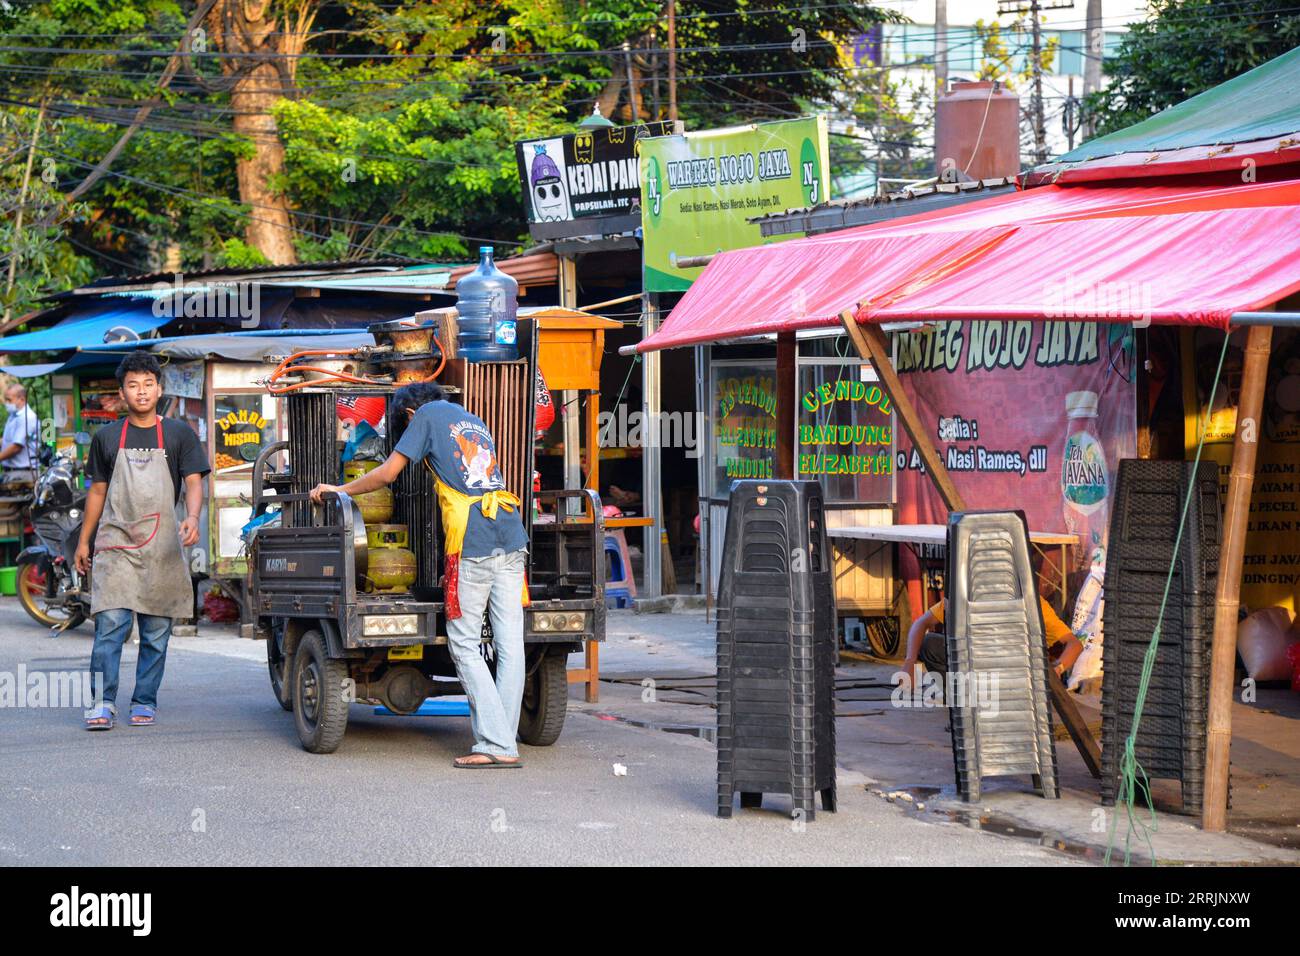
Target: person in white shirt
{"type": "Point", "coordinates": [20, 447]}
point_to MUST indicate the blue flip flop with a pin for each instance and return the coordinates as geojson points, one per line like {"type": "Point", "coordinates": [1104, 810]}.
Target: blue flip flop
{"type": "Point", "coordinates": [103, 713]}
{"type": "Point", "coordinates": [142, 715]}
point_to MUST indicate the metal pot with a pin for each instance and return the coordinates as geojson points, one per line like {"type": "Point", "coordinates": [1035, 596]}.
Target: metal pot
{"type": "Point", "coordinates": [412, 368]}
{"type": "Point", "coordinates": [407, 336]}
{"type": "Point", "coordinates": [344, 364]}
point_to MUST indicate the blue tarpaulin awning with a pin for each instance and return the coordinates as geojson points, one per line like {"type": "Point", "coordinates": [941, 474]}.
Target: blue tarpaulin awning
{"type": "Point", "coordinates": [31, 371]}
{"type": "Point", "coordinates": [86, 330]}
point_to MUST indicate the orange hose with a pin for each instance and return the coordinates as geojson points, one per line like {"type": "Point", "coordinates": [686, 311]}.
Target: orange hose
{"type": "Point", "coordinates": [442, 359]}
{"type": "Point", "coordinates": [331, 375]}
{"type": "Point", "coordinates": [328, 374]}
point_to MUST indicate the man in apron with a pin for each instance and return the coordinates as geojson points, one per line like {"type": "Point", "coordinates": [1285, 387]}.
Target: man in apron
{"type": "Point", "coordinates": [131, 538]}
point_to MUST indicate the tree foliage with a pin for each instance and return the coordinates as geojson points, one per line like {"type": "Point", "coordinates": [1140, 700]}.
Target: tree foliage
{"type": "Point", "coordinates": [397, 119]}
{"type": "Point", "coordinates": [1187, 47]}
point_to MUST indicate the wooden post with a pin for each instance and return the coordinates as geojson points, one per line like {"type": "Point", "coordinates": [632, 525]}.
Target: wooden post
{"type": "Point", "coordinates": [871, 345]}
{"type": "Point", "coordinates": [1223, 661]}
{"type": "Point", "coordinates": [786, 369]}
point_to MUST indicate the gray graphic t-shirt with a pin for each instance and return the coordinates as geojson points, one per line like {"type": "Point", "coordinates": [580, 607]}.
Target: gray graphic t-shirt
{"type": "Point", "coordinates": [462, 453]}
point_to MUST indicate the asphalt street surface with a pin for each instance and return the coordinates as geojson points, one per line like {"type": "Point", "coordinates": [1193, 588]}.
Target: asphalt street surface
{"type": "Point", "coordinates": [222, 780]}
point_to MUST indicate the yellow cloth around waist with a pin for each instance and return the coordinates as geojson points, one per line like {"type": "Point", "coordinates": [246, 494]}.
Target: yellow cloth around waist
{"type": "Point", "coordinates": [456, 506]}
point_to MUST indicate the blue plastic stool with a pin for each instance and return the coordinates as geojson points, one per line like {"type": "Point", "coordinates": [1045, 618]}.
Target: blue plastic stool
{"type": "Point", "coordinates": [620, 588]}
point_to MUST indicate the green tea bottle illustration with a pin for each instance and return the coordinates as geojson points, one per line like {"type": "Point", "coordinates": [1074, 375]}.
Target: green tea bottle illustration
{"type": "Point", "coordinates": [1085, 479]}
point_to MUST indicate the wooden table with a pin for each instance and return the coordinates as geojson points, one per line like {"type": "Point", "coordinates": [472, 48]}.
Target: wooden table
{"type": "Point", "coordinates": [937, 534]}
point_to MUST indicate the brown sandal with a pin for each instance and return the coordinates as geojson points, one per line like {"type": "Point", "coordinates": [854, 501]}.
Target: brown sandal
{"type": "Point", "coordinates": [492, 762]}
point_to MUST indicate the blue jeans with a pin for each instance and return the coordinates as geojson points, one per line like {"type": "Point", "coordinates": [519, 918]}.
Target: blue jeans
{"type": "Point", "coordinates": [112, 628]}
{"type": "Point", "coordinates": [495, 582]}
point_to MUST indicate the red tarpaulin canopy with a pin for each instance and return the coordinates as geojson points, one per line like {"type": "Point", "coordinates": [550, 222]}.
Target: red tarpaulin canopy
{"type": "Point", "coordinates": [1165, 254]}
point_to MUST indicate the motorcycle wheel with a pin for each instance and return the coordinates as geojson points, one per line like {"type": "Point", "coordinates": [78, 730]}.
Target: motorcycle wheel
{"type": "Point", "coordinates": [31, 595]}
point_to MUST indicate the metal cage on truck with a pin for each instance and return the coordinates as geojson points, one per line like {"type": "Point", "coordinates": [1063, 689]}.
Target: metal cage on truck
{"type": "Point", "coordinates": [332, 642]}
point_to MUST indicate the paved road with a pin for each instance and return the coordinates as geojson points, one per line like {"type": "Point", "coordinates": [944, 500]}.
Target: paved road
{"type": "Point", "coordinates": [222, 780]}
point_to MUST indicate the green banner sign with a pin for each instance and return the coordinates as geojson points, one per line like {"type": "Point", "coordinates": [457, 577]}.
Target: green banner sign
{"type": "Point", "coordinates": [698, 190]}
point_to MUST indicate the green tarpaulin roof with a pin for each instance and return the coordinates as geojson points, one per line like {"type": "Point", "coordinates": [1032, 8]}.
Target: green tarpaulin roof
{"type": "Point", "coordinates": [1261, 104]}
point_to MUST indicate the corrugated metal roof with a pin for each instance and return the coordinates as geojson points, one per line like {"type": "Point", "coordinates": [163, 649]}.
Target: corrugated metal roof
{"type": "Point", "coordinates": [348, 275]}
{"type": "Point", "coordinates": [538, 269]}
{"type": "Point", "coordinates": [846, 213]}
{"type": "Point", "coordinates": [1260, 104]}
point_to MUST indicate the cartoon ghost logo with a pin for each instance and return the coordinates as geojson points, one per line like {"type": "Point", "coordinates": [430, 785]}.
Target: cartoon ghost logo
{"type": "Point", "coordinates": [584, 147]}
{"type": "Point", "coordinates": [550, 199]}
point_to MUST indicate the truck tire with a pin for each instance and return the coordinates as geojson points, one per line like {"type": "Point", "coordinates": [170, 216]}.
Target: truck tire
{"type": "Point", "coordinates": [281, 669]}
{"type": "Point", "coordinates": [546, 698]}
{"type": "Point", "coordinates": [320, 707]}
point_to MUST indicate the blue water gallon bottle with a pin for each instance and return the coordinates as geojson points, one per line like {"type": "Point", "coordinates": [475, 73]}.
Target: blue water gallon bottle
{"type": "Point", "coordinates": [487, 301]}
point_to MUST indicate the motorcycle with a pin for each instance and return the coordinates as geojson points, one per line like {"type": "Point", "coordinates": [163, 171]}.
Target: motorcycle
{"type": "Point", "coordinates": [50, 589]}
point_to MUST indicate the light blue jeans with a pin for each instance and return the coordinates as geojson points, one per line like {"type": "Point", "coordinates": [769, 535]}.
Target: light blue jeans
{"type": "Point", "coordinates": [112, 628]}
{"type": "Point", "coordinates": [494, 583]}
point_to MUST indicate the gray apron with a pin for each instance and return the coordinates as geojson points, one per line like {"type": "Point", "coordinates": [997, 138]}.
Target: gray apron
{"type": "Point", "coordinates": [138, 563]}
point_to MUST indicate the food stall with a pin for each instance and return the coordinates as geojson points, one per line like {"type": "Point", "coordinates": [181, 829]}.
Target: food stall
{"type": "Point", "coordinates": [216, 383]}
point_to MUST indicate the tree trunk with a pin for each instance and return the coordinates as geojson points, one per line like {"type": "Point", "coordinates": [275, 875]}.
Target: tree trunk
{"type": "Point", "coordinates": [269, 227]}
{"type": "Point", "coordinates": [252, 27]}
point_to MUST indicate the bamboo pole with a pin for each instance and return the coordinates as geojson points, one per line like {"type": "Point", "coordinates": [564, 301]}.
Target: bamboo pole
{"type": "Point", "coordinates": [1223, 661]}
{"type": "Point", "coordinates": [871, 345]}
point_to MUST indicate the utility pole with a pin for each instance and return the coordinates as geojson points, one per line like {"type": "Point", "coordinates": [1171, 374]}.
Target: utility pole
{"type": "Point", "coordinates": [940, 48]}
{"type": "Point", "coordinates": [18, 220]}
{"type": "Point", "coordinates": [1069, 121]}
{"type": "Point", "coordinates": [632, 104]}
{"type": "Point", "coordinates": [1040, 134]}
{"type": "Point", "coordinates": [1093, 49]}
{"type": "Point", "coordinates": [672, 60]}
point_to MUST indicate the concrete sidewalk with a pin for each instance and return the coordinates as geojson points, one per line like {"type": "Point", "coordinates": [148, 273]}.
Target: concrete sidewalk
{"type": "Point", "coordinates": [657, 672]}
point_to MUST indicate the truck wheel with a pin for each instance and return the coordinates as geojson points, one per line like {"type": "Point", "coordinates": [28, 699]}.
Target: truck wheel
{"type": "Point", "coordinates": [320, 707]}
{"type": "Point", "coordinates": [546, 698]}
{"type": "Point", "coordinates": [279, 667]}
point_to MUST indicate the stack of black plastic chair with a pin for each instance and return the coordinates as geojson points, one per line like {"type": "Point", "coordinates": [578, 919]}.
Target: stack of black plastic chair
{"type": "Point", "coordinates": [997, 655]}
{"type": "Point", "coordinates": [777, 649]}
{"type": "Point", "coordinates": [1170, 741]}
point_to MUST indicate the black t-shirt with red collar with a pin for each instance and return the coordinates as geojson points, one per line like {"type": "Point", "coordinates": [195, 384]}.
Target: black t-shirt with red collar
{"type": "Point", "coordinates": [185, 454]}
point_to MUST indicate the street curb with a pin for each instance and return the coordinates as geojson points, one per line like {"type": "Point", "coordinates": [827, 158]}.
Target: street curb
{"type": "Point", "coordinates": [669, 603]}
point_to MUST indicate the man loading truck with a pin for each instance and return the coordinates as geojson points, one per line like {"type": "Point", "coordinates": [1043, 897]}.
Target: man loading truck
{"type": "Point", "coordinates": [485, 545]}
